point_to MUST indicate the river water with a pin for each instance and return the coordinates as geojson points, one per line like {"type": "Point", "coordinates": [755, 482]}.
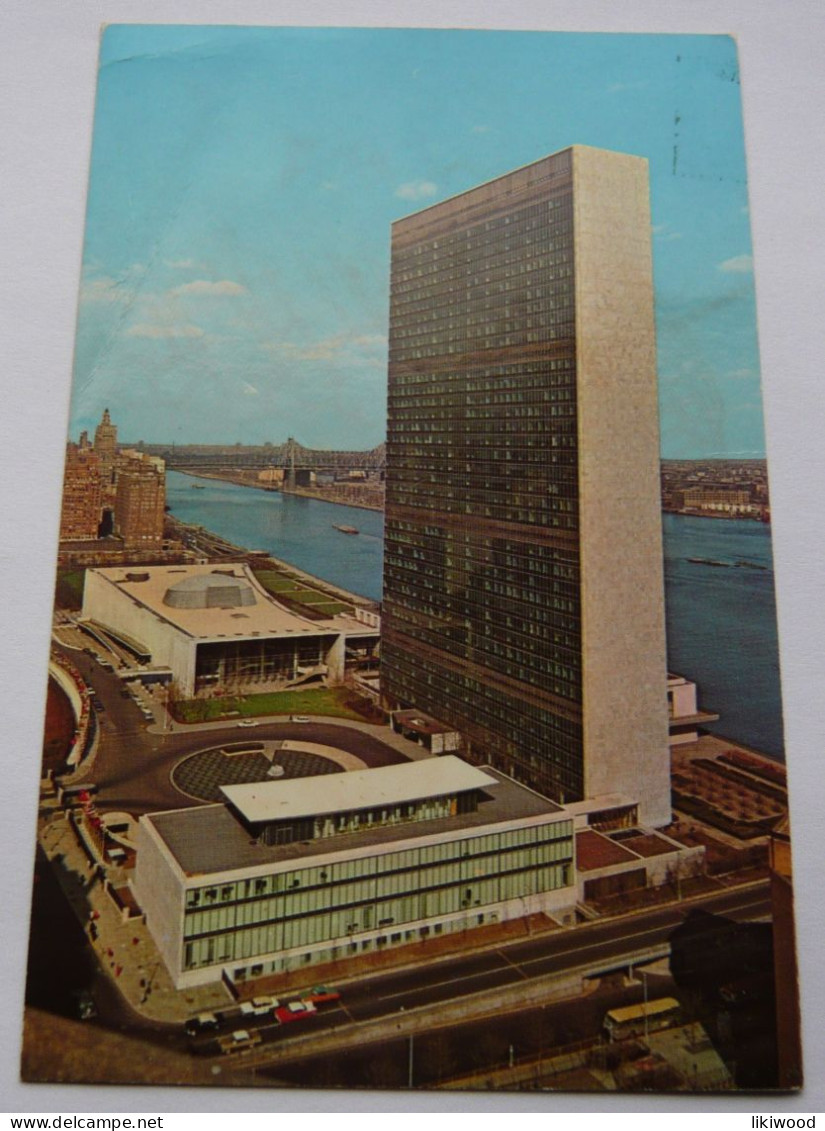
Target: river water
{"type": "Point", "coordinates": [721, 622]}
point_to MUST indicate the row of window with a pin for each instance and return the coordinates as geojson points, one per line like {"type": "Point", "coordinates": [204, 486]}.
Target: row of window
{"type": "Point", "coordinates": [349, 898]}
{"type": "Point", "coordinates": [341, 871]}
{"type": "Point", "coordinates": [326, 925]}
{"type": "Point", "coordinates": [527, 373]}
{"type": "Point", "coordinates": [506, 728]}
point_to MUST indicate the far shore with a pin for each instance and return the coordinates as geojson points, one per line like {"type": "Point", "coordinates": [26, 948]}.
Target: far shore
{"type": "Point", "coordinates": [240, 480]}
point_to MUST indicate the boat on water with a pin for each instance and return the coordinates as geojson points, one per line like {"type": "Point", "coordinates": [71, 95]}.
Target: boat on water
{"type": "Point", "coordinates": [709, 561]}
{"type": "Point", "coordinates": [750, 565]}
{"type": "Point", "coordinates": [198, 487]}
{"type": "Point", "coordinates": [345, 529]}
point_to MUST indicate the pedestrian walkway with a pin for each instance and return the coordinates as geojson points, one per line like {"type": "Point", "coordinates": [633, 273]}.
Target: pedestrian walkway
{"type": "Point", "coordinates": [124, 948]}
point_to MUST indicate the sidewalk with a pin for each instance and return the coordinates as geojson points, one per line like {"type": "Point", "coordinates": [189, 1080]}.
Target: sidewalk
{"type": "Point", "coordinates": [125, 949]}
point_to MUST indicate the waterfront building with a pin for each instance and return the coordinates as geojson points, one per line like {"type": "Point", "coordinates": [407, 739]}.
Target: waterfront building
{"type": "Point", "coordinates": [140, 500]}
{"type": "Point", "coordinates": [81, 505]}
{"type": "Point", "coordinates": [285, 875]}
{"type": "Point", "coordinates": [719, 500]}
{"type": "Point", "coordinates": [523, 588]}
{"type": "Point", "coordinates": [683, 711]}
{"type": "Point", "coordinates": [214, 629]}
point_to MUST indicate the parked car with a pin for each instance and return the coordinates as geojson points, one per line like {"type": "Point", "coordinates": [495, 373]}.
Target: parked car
{"type": "Point", "coordinates": [294, 1011]}
{"type": "Point", "coordinates": [248, 723]}
{"type": "Point", "coordinates": [201, 1023]}
{"type": "Point", "coordinates": [240, 1039]}
{"type": "Point", "coordinates": [299, 718]}
{"type": "Point", "coordinates": [318, 995]}
{"type": "Point", "coordinates": [258, 1006]}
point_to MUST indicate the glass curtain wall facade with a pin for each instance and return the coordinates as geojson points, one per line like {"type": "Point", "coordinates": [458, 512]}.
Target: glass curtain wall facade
{"type": "Point", "coordinates": [376, 896]}
{"type": "Point", "coordinates": [481, 617]}
{"type": "Point", "coordinates": [523, 592]}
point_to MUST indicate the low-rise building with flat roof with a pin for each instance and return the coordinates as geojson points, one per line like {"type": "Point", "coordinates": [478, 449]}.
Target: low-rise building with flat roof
{"type": "Point", "coordinates": [217, 628]}
{"type": "Point", "coordinates": [286, 874]}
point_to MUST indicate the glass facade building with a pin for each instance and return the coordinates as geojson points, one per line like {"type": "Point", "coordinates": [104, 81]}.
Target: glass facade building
{"type": "Point", "coordinates": [286, 875]}
{"type": "Point", "coordinates": [521, 352]}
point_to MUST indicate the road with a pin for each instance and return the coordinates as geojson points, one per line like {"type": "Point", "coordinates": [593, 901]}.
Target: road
{"type": "Point", "coordinates": [133, 763]}
{"type": "Point", "coordinates": [596, 949]}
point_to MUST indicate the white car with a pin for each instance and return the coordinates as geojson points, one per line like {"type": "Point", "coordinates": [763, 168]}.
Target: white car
{"type": "Point", "coordinates": [248, 723]}
{"type": "Point", "coordinates": [299, 718]}
{"type": "Point", "coordinates": [257, 1006]}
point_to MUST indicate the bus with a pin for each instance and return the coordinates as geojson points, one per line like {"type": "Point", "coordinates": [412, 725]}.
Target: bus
{"type": "Point", "coordinates": [637, 1020]}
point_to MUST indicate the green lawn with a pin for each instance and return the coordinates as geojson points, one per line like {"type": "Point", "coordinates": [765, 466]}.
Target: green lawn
{"type": "Point", "coordinates": [314, 701]}
{"type": "Point", "coordinates": [275, 582]}
{"type": "Point", "coordinates": [287, 586]}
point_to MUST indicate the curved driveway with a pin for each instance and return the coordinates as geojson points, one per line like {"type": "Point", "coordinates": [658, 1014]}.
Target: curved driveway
{"type": "Point", "coordinates": [133, 763]}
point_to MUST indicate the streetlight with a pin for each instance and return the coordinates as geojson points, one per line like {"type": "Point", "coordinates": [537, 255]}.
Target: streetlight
{"type": "Point", "coordinates": [410, 1057]}
{"type": "Point", "coordinates": [647, 1023]}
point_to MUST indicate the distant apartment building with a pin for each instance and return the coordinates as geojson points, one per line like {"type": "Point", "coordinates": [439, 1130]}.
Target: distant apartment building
{"type": "Point", "coordinates": [116, 497]}
{"type": "Point", "coordinates": [726, 500]}
{"type": "Point", "coordinates": [81, 506]}
{"type": "Point", "coordinates": [140, 500]}
{"type": "Point", "coordinates": [523, 588]}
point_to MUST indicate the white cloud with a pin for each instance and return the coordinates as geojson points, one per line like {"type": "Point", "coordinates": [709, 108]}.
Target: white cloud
{"type": "Point", "coordinates": [108, 290]}
{"type": "Point", "coordinates": [416, 190]}
{"type": "Point", "coordinates": [342, 348]}
{"type": "Point", "coordinates": [180, 263]}
{"type": "Point", "coordinates": [480, 129]}
{"type": "Point", "coordinates": [153, 330]}
{"type": "Point", "coordinates": [739, 265]}
{"type": "Point", "coordinates": [104, 289]}
{"type": "Point", "coordinates": [207, 287]}
{"type": "Point", "coordinates": [663, 235]}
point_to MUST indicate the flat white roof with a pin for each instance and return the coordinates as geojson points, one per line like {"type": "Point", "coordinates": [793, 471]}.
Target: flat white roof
{"type": "Point", "coordinates": [263, 617]}
{"type": "Point", "coordinates": [359, 789]}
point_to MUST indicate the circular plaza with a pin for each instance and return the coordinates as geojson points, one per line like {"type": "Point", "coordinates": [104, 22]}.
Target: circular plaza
{"type": "Point", "coordinates": [201, 775]}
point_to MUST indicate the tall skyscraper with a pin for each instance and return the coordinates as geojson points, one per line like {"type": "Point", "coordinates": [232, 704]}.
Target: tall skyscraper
{"type": "Point", "coordinates": [523, 589]}
{"type": "Point", "coordinates": [106, 447]}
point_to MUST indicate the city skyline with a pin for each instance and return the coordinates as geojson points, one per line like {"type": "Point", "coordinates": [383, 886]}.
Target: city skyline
{"type": "Point", "coordinates": [235, 272]}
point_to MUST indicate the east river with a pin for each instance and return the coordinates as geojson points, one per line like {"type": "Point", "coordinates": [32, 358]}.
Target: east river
{"type": "Point", "coordinates": [721, 622]}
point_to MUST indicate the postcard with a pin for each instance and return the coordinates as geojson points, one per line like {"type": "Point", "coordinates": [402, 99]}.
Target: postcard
{"type": "Point", "coordinates": [414, 714]}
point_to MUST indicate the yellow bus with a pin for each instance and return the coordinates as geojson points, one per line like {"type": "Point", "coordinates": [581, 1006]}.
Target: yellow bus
{"type": "Point", "coordinates": [636, 1020]}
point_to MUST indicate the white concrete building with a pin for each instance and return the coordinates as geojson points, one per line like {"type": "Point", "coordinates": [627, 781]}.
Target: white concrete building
{"type": "Point", "coordinates": [293, 873]}
{"type": "Point", "coordinates": [217, 629]}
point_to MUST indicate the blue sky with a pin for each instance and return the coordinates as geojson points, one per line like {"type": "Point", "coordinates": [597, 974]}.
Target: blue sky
{"type": "Point", "coordinates": [243, 183]}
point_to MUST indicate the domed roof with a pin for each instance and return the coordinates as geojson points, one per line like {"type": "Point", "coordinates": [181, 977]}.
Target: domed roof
{"type": "Point", "coordinates": [217, 590]}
